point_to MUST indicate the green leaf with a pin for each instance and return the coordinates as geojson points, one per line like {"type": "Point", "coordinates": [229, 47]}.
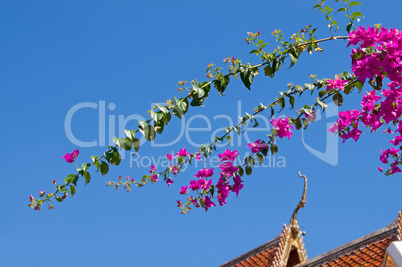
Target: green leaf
{"type": "Point", "coordinates": [162, 108]}
{"type": "Point", "coordinates": [136, 144]}
{"type": "Point", "coordinates": [75, 180]}
{"type": "Point", "coordinates": [260, 158]}
{"type": "Point", "coordinates": [72, 190]}
{"type": "Point", "coordinates": [282, 102]}
{"type": "Point", "coordinates": [274, 149]}
{"type": "Point", "coordinates": [249, 170]}
{"type": "Point", "coordinates": [276, 65]}
{"type": "Point", "coordinates": [97, 164]}
{"type": "Point", "coordinates": [130, 134]}
{"type": "Point", "coordinates": [338, 99]}
{"type": "Point", "coordinates": [157, 116]}
{"type": "Point", "coordinates": [59, 199]}
{"type": "Point", "coordinates": [72, 178]}
{"type": "Point", "coordinates": [328, 10]}
{"type": "Point", "coordinates": [104, 168]}
{"type": "Point", "coordinates": [251, 161]}
{"type": "Point", "coordinates": [255, 51]}
{"type": "Point", "coordinates": [269, 71]}
{"type": "Point", "coordinates": [264, 151]}
{"type": "Point", "coordinates": [310, 86]}
{"type": "Point", "coordinates": [196, 102]}
{"type": "Point", "coordinates": [200, 93]}
{"type": "Point", "coordinates": [116, 159]}
{"type": "Point", "coordinates": [256, 124]}
{"type": "Point", "coordinates": [354, 3]}
{"type": "Point", "coordinates": [149, 133]}
{"type": "Point", "coordinates": [241, 171]}
{"type": "Point", "coordinates": [85, 166]}
{"type": "Point", "coordinates": [94, 158]}
{"type": "Point", "coordinates": [294, 55]}
{"type": "Point", "coordinates": [87, 177]}
{"type": "Point", "coordinates": [166, 118]}
{"type": "Point", "coordinates": [272, 112]}
{"type": "Point", "coordinates": [359, 85]}
{"type": "Point", "coordinates": [159, 127]}
{"type": "Point", "coordinates": [125, 144]}
{"type": "Point", "coordinates": [322, 104]}
{"type": "Point", "coordinates": [246, 76]}
{"type": "Point", "coordinates": [341, 9]}
{"type": "Point", "coordinates": [348, 27]}
{"type": "Point", "coordinates": [297, 123]}
{"type": "Point", "coordinates": [305, 123]}
{"type": "Point", "coordinates": [322, 93]}
{"type": "Point", "coordinates": [108, 156]}
{"type": "Point", "coordinates": [221, 84]}
{"type": "Point", "coordinates": [292, 101]}
{"type": "Point", "coordinates": [357, 14]}
{"type": "Point", "coordinates": [228, 138]}
{"type": "Point", "coordinates": [181, 107]}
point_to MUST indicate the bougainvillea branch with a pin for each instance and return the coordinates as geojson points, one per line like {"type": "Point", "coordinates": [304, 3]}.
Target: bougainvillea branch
{"type": "Point", "coordinates": [160, 115]}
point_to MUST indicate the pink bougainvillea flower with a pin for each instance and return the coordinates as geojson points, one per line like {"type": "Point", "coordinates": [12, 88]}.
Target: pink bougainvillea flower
{"type": "Point", "coordinates": [31, 198]}
{"type": "Point", "coordinates": [208, 203]}
{"type": "Point", "coordinates": [228, 169]}
{"type": "Point", "coordinates": [257, 146]}
{"type": "Point", "coordinates": [54, 181]}
{"type": "Point", "coordinates": [283, 127]}
{"type": "Point", "coordinates": [396, 140]}
{"type": "Point", "coordinates": [198, 156]}
{"type": "Point", "coordinates": [154, 178]}
{"type": "Point", "coordinates": [179, 203]}
{"type": "Point", "coordinates": [205, 185]}
{"type": "Point", "coordinates": [170, 157]}
{"type": "Point", "coordinates": [174, 170]}
{"type": "Point", "coordinates": [41, 193]}
{"type": "Point", "coordinates": [204, 173]}
{"type": "Point", "coordinates": [395, 168]}
{"type": "Point", "coordinates": [194, 185]}
{"type": "Point", "coordinates": [229, 155]}
{"type": "Point", "coordinates": [380, 169]}
{"type": "Point", "coordinates": [182, 153]}
{"type": "Point", "coordinates": [183, 190]}
{"type": "Point", "coordinates": [337, 83]}
{"type": "Point", "coordinates": [223, 190]}
{"type": "Point", "coordinates": [70, 157]}
{"type": "Point", "coordinates": [169, 181]}
{"type": "Point", "coordinates": [153, 169]}
{"type": "Point", "coordinates": [237, 185]}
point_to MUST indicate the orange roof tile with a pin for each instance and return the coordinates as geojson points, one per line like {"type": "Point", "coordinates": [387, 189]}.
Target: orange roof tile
{"type": "Point", "coordinates": [368, 250]}
{"type": "Point", "coordinates": [263, 255]}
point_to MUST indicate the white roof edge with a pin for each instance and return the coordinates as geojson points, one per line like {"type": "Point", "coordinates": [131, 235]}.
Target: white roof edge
{"type": "Point", "coordinates": [395, 251]}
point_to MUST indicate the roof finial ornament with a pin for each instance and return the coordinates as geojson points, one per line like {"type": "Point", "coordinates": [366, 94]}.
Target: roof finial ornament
{"type": "Point", "coordinates": [293, 222]}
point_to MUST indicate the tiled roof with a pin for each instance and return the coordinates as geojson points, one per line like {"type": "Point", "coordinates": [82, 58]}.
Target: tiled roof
{"type": "Point", "coordinates": [368, 250]}
{"type": "Point", "coordinates": [272, 253]}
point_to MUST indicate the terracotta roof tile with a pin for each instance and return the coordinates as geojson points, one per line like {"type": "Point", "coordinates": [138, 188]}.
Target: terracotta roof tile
{"type": "Point", "coordinates": [368, 250]}
{"type": "Point", "coordinates": [267, 254]}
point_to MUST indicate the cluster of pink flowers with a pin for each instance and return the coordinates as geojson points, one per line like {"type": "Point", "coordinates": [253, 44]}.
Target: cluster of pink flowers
{"type": "Point", "coordinates": [347, 125]}
{"type": "Point", "coordinates": [203, 185]}
{"type": "Point", "coordinates": [257, 146]}
{"type": "Point", "coordinates": [283, 127]}
{"type": "Point", "coordinates": [337, 83]}
{"type": "Point", "coordinates": [379, 56]}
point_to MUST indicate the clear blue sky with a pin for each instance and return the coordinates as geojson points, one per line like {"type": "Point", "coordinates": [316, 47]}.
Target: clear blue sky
{"type": "Point", "coordinates": [124, 54]}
